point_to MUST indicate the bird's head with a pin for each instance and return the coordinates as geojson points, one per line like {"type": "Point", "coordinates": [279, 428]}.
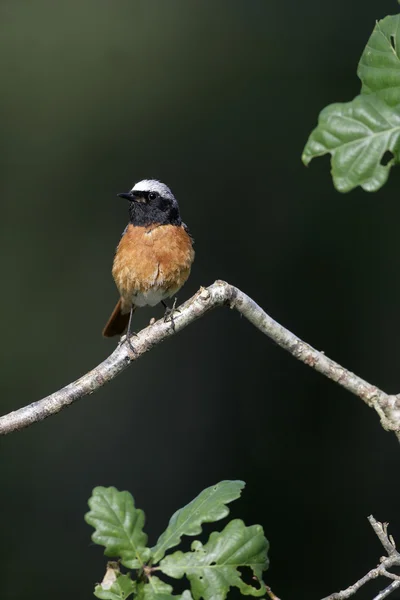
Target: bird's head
{"type": "Point", "coordinates": [152, 202]}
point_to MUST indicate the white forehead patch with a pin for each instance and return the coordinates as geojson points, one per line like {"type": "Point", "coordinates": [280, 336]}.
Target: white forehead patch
{"type": "Point", "coordinates": [153, 185]}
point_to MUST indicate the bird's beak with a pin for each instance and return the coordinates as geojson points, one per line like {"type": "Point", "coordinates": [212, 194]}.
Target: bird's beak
{"type": "Point", "coordinates": [127, 196]}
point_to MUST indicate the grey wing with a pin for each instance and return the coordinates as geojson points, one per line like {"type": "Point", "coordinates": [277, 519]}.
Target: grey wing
{"type": "Point", "coordinates": [186, 228]}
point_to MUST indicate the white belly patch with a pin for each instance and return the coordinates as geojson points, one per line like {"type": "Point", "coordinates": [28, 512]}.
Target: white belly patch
{"type": "Point", "coordinates": [149, 298]}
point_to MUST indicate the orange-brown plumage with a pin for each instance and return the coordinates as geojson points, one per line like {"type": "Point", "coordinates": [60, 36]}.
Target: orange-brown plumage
{"type": "Point", "coordinates": [153, 258]}
{"type": "Point", "coordinates": [151, 263]}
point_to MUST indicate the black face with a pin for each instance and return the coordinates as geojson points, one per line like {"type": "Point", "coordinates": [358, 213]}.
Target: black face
{"type": "Point", "coordinates": [149, 208]}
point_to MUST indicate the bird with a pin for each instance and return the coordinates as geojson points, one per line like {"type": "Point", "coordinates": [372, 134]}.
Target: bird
{"type": "Point", "coordinates": [154, 256]}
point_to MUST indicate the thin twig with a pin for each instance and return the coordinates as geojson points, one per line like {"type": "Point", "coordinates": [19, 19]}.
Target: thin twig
{"type": "Point", "coordinates": [218, 294]}
{"type": "Point", "coordinates": [392, 559]}
{"type": "Point", "coordinates": [388, 590]}
{"type": "Point", "coordinates": [352, 589]}
{"type": "Point", "coordinates": [382, 534]}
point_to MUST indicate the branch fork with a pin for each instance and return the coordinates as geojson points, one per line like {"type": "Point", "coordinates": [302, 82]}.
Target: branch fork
{"type": "Point", "coordinates": [386, 562]}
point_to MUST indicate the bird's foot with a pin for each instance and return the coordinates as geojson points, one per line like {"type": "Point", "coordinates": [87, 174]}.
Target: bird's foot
{"type": "Point", "coordinates": [127, 338]}
{"type": "Point", "coordinates": [169, 313]}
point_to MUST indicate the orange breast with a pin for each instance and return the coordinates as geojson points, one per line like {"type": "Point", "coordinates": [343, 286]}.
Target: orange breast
{"type": "Point", "coordinates": [152, 258]}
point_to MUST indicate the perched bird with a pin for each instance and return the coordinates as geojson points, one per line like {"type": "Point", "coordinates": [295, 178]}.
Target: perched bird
{"type": "Point", "coordinates": [154, 256]}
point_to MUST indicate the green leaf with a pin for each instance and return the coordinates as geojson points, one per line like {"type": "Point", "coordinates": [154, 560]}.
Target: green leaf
{"type": "Point", "coordinates": [357, 134]}
{"type": "Point", "coordinates": [158, 590]}
{"type": "Point", "coordinates": [118, 589]}
{"type": "Point", "coordinates": [154, 590]}
{"type": "Point", "coordinates": [213, 569]}
{"type": "Point", "coordinates": [118, 526]}
{"type": "Point", "coordinates": [207, 507]}
{"type": "Point", "coordinates": [379, 66]}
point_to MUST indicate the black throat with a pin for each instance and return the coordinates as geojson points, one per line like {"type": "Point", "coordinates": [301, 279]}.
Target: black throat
{"type": "Point", "coordinates": [161, 212]}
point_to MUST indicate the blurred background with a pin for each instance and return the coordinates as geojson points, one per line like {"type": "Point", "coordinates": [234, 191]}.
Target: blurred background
{"type": "Point", "coordinates": [216, 99]}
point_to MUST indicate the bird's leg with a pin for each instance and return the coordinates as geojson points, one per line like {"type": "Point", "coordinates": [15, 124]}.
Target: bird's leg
{"type": "Point", "coordinates": [169, 312]}
{"type": "Point", "coordinates": [174, 305]}
{"type": "Point", "coordinates": [130, 334]}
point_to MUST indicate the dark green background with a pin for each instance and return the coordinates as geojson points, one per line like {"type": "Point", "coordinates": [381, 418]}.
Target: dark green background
{"type": "Point", "coordinates": [216, 98]}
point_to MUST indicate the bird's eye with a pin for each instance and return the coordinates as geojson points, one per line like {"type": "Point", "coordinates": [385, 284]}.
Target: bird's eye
{"type": "Point", "coordinates": [153, 195]}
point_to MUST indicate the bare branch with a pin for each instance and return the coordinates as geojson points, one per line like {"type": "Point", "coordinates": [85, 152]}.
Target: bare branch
{"type": "Point", "coordinates": [218, 294]}
{"type": "Point", "coordinates": [381, 531]}
{"type": "Point", "coordinates": [388, 590]}
{"type": "Point", "coordinates": [352, 589]}
{"type": "Point", "coordinates": [393, 559]}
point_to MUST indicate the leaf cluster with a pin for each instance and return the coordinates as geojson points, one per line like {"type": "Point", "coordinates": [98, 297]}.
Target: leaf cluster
{"type": "Point", "coordinates": [363, 136]}
{"type": "Point", "coordinates": [211, 569]}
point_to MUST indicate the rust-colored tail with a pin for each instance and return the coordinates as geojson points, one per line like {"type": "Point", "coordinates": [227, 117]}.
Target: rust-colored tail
{"type": "Point", "coordinates": [117, 323]}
